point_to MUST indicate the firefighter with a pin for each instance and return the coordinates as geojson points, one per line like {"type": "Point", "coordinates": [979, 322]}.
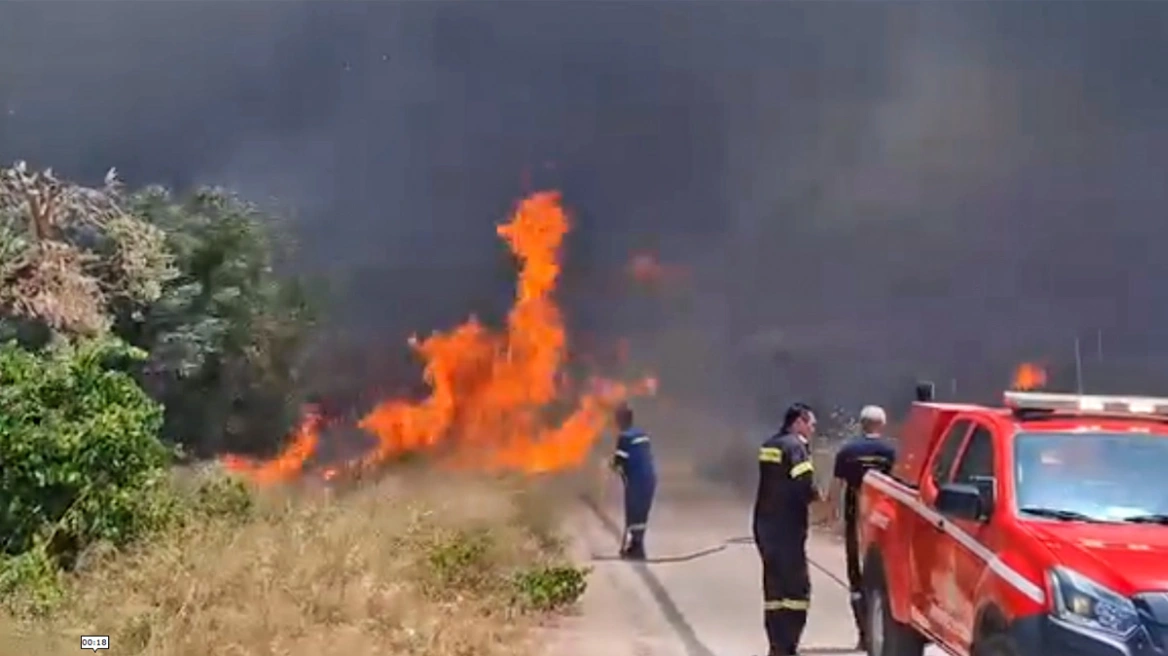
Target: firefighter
{"type": "Point", "coordinates": [786, 490]}
{"type": "Point", "coordinates": [633, 460]}
{"type": "Point", "coordinates": [856, 457]}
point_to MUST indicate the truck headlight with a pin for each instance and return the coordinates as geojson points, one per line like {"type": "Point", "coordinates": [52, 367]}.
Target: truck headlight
{"type": "Point", "coordinates": [1079, 600]}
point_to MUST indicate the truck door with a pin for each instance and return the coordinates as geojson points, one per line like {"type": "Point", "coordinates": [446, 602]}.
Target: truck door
{"type": "Point", "coordinates": [930, 548]}
{"type": "Point", "coordinates": [975, 466]}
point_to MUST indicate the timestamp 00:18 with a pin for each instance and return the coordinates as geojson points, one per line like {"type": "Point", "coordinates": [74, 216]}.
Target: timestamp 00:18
{"type": "Point", "coordinates": [95, 642]}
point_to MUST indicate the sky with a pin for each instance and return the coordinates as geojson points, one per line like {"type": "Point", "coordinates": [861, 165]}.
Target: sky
{"type": "Point", "coordinates": [858, 193]}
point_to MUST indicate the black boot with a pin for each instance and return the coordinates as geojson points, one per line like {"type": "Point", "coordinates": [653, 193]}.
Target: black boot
{"type": "Point", "coordinates": [635, 550]}
{"type": "Point", "coordinates": [859, 610]}
{"type": "Point", "coordinates": [633, 554]}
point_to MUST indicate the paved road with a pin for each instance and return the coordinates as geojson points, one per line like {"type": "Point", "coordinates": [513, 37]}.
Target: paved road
{"type": "Point", "coordinates": [701, 595]}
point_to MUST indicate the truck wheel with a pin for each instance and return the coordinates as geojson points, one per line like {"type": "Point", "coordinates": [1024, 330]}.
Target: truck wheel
{"type": "Point", "coordinates": [886, 636]}
{"type": "Point", "coordinates": [996, 645]}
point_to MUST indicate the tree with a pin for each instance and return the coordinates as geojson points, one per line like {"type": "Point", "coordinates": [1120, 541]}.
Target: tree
{"type": "Point", "coordinates": [189, 280]}
{"type": "Point", "coordinates": [227, 334]}
{"type": "Point", "coordinates": [71, 256]}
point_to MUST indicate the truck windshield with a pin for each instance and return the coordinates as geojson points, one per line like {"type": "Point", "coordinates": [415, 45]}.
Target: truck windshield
{"type": "Point", "coordinates": [1109, 477]}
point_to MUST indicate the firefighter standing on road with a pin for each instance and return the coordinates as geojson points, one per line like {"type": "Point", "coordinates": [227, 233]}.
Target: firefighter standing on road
{"type": "Point", "coordinates": [786, 490]}
{"type": "Point", "coordinates": [856, 457]}
{"type": "Point", "coordinates": [633, 460]}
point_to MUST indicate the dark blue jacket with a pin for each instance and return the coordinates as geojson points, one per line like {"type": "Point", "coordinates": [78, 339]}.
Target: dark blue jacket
{"type": "Point", "coordinates": [634, 460]}
{"type": "Point", "coordinates": [854, 459]}
{"type": "Point", "coordinates": [786, 488]}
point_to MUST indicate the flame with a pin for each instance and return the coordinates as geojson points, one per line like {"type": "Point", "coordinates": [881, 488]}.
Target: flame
{"type": "Point", "coordinates": [290, 462]}
{"type": "Point", "coordinates": [491, 392]}
{"type": "Point", "coordinates": [1028, 376]}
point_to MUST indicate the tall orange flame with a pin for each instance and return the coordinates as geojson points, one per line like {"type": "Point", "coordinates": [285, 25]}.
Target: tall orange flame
{"type": "Point", "coordinates": [491, 393]}
{"type": "Point", "coordinates": [1028, 376]}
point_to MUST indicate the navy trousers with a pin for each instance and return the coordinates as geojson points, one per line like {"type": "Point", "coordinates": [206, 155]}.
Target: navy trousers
{"type": "Point", "coordinates": [638, 503]}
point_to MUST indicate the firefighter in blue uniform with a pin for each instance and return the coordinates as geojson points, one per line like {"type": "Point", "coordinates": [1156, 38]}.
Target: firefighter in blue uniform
{"type": "Point", "coordinates": [855, 458]}
{"type": "Point", "coordinates": [786, 490]}
{"type": "Point", "coordinates": [633, 460]}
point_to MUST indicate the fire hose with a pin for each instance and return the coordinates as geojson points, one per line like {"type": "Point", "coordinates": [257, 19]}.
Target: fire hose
{"type": "Point", "coordinates": [615, 530]}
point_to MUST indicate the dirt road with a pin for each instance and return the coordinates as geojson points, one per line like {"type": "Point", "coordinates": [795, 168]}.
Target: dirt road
{"type": "Point", "coordinates": [700, 595]}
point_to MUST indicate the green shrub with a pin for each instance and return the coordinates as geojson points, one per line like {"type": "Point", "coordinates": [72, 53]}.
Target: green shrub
{"type": "Point", "coordinates": [79, 444]}
{"type": "Point", "coordinates": [223, 496]}
{"type": "Point", "coordinates": [30, 583]}
{"type": "Point", "coordinates": [461, 560]}
{"type": "Point", "coordinates": [550, 587]}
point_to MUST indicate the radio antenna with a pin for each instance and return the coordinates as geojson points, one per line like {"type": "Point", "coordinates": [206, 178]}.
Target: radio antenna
{"type": "Point", "coordinates": [1078, 366]}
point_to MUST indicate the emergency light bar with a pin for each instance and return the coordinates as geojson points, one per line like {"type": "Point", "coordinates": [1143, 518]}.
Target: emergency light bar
{"type": "Point", "coordinates": [1125, 405]}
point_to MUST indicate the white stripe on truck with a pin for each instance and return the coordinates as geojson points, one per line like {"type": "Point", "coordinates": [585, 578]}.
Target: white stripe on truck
{"type": "Point", "coordinates": [908, 497]}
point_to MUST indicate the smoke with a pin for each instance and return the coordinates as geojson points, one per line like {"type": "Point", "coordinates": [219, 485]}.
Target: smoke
{"type": "Point", "coordinates": [859, 192]}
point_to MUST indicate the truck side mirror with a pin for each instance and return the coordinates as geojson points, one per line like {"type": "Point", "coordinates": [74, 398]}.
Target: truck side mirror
{"type": "Point", "coordinates": [986, 486]}
{"type": "Point", "coordinates": [961, 501]}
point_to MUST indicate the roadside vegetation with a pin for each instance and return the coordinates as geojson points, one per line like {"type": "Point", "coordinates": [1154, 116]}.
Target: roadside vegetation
{"type": "Point", "coordinates": [143, 332]}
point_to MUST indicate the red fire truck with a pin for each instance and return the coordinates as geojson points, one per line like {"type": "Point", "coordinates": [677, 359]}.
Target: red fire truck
{"type": "Point", "coordinates": [1039, 528]}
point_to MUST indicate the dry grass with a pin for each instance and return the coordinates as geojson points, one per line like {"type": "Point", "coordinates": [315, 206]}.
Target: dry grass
{"type": "Point", "coordinates": [406, 566]}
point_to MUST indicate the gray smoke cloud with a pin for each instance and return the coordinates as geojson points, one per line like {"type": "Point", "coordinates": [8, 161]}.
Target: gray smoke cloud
{"type": "Point", "coordinates": [858, 192]}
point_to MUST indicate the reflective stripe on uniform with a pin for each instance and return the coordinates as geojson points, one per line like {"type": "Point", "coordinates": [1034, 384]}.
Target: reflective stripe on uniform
{"type": "Point", "coordinates": [786, 604]}
{"type": "Point", "coordinates": [644, 439]}
{"type": "Point", "coordinates": [804, 467]}
{"type": "Point", "coordinates": [770, 454]}
{"type": "Point", "coordinates": [622, 454]}
{"type": "Point", "coordinates": [637, 527]}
